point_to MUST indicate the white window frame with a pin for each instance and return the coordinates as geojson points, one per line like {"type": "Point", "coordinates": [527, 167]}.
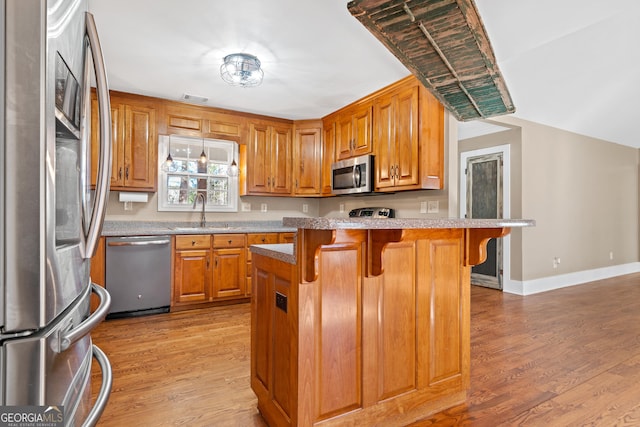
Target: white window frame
{"type": "Point", "coordinates": [231, 149]}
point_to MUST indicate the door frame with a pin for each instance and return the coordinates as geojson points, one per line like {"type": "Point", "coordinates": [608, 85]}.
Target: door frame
{"type": "Point", "coordinates": [506, 197]}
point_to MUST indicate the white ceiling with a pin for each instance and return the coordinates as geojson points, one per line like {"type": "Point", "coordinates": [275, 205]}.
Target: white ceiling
{"type": "Point", "coordinates": [571, 64]}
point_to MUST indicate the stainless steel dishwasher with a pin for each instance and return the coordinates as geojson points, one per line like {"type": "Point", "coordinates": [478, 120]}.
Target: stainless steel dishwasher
{"type": "Point", "coordinates": [138, 275]}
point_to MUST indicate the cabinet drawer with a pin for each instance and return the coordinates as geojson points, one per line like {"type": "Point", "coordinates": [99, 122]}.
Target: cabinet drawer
{"type": "Point", "coordinates": [195, 241]}
{"type": "Point", "coordinates": [261, 238]}
{"type": "Point", "coordinates": [228, 240]}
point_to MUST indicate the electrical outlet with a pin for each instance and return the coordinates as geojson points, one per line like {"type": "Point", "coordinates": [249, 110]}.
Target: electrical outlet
{"type": "Point", "coordinates": [263, 207]}
{"type": "Point", "coordinates": [305, 208]}
{"type": "Point", "coordinates": [611, 255]}
{"type": "Point", "coordinates": [246, 207]}
{"type": "Point", "coordinates": [433, 206]}
{"type": "Point", "coordinates": [423, 207]}
{"type": "Point", "coordinates": [128, 206]}
{"type": "Point", "coordinates": [556, 262]}
{"type": "Point", "coordinates": [341, 207]}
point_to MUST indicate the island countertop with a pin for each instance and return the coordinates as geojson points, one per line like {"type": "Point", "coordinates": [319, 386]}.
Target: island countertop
{"type": "Point", "coordinates": [401, 223]}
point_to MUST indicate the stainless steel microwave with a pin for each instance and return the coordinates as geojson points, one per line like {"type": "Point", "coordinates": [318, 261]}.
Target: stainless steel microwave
{"type": "Point", "coordinates": [352, 176]}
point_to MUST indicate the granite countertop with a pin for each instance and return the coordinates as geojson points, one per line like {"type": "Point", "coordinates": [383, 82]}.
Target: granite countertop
{"type": "Point", "coordinates": [154, 228]}
{"type": "Point", "coordinates": [281, 251]}
{"type": "Point", "coordinates": [401, 223]}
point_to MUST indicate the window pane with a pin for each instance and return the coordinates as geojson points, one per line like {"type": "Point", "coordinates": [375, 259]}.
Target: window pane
{"type": "Point", "coordinates": [188, 177]}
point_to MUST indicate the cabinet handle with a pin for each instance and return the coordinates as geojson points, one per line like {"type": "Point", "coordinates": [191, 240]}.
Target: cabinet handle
{"type": "Point", "coordinates": [268, 182]}
{"type": "Point", "coordinates": [193, 242]}
{"type": "Point", "coordinates": [120, 173]}
{"type": "Point", "coordinates": [126, 173]}
{"type": "Point", "coordinates": [397, 173]}
{"type": "Point", "coordinates": [216, 262]}
{"type": "Point", "coordinates": [391, 172]}
{"type": "Point", "coordinates": [207, 262]}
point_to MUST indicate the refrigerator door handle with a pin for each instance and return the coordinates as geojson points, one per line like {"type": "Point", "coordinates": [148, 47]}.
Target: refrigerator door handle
{"type": "Point", "coordinates": [71, 335]}
{"type": "Point", "coordinates": [105, 388]}
{"type": "Point", "coordinates": [103, 179]}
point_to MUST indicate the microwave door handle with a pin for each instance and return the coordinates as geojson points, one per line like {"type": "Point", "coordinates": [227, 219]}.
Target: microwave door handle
{"type": "Point", "coordinates": [104, 166]}
{"type": "Point", "coordinates": [357, 176]}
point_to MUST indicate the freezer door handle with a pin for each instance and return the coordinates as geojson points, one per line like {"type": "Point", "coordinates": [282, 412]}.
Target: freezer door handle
{"type": "Point", "coordinates": [103, 179]}
{"type": "Point", "coordinates": [71, 335]}
{"type": "Point", "coordinates": [105, 388]}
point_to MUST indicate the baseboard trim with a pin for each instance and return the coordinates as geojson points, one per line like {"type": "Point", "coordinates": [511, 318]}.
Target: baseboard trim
{"type": "Point", "coordinates": [529, 287]}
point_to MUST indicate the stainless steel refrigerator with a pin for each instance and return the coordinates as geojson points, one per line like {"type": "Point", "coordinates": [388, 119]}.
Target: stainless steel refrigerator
{"type": "Point", "coordinates": [51, 216]}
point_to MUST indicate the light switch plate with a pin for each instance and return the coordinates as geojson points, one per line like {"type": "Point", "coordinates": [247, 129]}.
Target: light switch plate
{"type": "Point", "coordinates": [246, 207]}
{"type": "Point", "coordinates": [433, 206]}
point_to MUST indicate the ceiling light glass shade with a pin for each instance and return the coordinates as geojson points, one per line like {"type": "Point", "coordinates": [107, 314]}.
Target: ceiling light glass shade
{"type": "Point", "coordinates": [241, 69]}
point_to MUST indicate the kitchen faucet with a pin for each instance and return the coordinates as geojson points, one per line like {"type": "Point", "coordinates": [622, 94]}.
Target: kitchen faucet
{"type": "Point", "coordinates": [203, 219]}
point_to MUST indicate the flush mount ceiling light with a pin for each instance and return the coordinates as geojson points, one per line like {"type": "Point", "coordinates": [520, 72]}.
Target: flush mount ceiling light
{"type": "Point", "coordinates": [241, 69]}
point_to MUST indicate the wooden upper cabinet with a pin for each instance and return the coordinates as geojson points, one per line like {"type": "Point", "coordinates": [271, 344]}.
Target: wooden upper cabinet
{"type": "Point", "coordinates": [134, 143]}
{"type": "Point", "coordinates": [307, 158]}
{"type": "Point", "coordinates": [353, 131]}
{"type": "Point", "coordinates": [396, 139]}
{"type": "Point", "coordinates": [268, 158]}
{"type": "Point", "coordinates": [328, 153]}
{"type": "Point", "coordinates": [202, 122]}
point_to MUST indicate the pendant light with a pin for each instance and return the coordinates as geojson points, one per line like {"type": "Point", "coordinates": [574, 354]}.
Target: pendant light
{"type": "Point", "coordinates": [232, 170]}
{"type": "Point", "coordinates": [203, 155]}
{"type": "Point", "coordinates": [168, 163]}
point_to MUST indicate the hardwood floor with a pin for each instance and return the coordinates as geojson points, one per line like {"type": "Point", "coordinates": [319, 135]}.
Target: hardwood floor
{"type": "Point", "coordinates": [569, 357]}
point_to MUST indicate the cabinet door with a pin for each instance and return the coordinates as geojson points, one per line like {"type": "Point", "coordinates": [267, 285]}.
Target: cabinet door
{"type": "Point", "coordinates": [385, 142]}
{"type": "Point", "coordinates": [362, 131]}
{"type": "Point", "coordinates": [258, 159]}
{"type": "Point", "coordinates": [344, 135]}
{"type": "Point", "coordinates": [406, 135]}
{"type": "Point", "coordinates": [117, 141]}
{"type": "Point", "coordinates": [229, 275]}
{"type": "Point", "coordinates": [192, 277]}
{"type": "Point", "coordinates": [140, 148]}
{"type": "Point", "coordinates": [281, 155]}
{"type": "Point", "coordinates": [396, 139]}
{"type": "Point", "coordinates": [307, 160]}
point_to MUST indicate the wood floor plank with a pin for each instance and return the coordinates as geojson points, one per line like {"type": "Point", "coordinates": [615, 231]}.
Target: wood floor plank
{"type": "Point", "coordinates": [569, 357]}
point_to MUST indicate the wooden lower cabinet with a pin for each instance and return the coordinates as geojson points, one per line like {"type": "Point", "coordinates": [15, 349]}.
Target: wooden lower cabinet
{"type": "Point", "coordinates": [257, 239]}
{"type": "Point", "coordinates": [192, 269]}
{"type": "Point", "coordinates": [371, 327]}
{"type": "Point", "coordinates": [229, 272]}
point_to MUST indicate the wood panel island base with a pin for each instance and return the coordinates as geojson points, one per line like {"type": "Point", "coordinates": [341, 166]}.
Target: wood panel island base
{"type": "Point", "coordinates": [365, 322]}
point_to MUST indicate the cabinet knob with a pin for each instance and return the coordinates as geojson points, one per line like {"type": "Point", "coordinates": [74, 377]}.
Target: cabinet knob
{"type": "Point", "coordinates": [229, 241]}
{"type": "Point", "coordinates": [193, 242]}
{"type": "Point", "coordinates": [264, 239]}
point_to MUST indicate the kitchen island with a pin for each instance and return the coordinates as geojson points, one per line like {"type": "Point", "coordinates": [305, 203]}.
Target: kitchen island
{"type": "Point", "coordinates": [365, 322]}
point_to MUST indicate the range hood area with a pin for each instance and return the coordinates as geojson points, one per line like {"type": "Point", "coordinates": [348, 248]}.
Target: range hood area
{"type": "Point", "coordinates": [445, 45]}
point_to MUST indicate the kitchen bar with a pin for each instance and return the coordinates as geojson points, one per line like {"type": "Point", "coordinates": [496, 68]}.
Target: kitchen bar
{"type": "Point", "coordinates": [365, 322]}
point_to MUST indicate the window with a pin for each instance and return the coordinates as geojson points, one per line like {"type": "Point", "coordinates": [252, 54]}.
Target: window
{"type": "Point", "coordinates": [179, 183]}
